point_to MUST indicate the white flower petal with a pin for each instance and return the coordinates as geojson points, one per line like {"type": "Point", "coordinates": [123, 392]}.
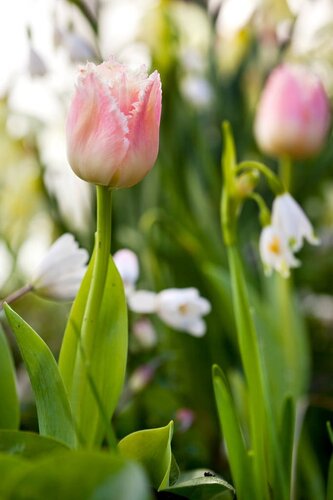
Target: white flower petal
{"type": "Point", "coordinates": [127, 264]}
{"type": "Point", "coordinates": [275, 252]}
{"type": "Point", "coordinates": [142, 301]}
{"type": "Point", "coordinates": [60, 272]}
{"type": "Point", "coordinates": [182, 308]}
{"type": "Point", "coordinates": [290, 219]}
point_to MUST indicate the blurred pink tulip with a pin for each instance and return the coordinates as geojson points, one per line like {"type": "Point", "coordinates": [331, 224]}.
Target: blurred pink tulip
{"type": "Point", "coordinates": [293, 115]}
{"type": "Point", "coordinates": [113, 124]}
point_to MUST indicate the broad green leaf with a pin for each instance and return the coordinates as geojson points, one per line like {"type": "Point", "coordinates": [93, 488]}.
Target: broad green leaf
{"type": "Point", "coordinates": [151, 448]}
{"type": "Point", "coordinates": [12, 468]}
{"type": "Point", "coordinates": [82, 475]}
{"type": "Point", "coordinates": [53, 409]}
{"type": "Point", "coordinates": [9, 407]}
{"type": "Point", "coordinates": [201, 484]}
{"type": "Point", "coordinates": [239, 459]}
{"type": "Point", "coordinates": [94, 381]}
{"type": "Point", "coordinates": [27, 444]}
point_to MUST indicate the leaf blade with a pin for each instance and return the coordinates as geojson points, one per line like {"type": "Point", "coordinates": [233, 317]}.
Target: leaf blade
{"type": "Point", "coordinates": [53, 409]}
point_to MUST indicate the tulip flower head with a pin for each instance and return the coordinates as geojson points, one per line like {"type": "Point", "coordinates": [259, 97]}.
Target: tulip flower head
{"type": "Point", "coordinates": [289, 218]}
{"type": "Point", "coordinates": [293, 115]}
{"type": "Point", "coordinates": [113, 124]}
{"type": "Point", "coordinates": [60, 272]}
{"type": "Point", "coordinates": [275, 252]}
{"type": "Point", "coordinates": [180, 308]}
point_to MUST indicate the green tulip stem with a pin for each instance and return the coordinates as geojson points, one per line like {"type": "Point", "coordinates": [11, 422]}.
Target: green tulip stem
{"type": "Point", "coordinates": [102, 252]}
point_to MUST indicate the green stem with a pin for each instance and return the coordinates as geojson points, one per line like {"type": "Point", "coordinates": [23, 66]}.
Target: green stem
{"type": "Point", "coordinates": [264, 212]}
{"type": "Point", "coordinates": [17, 294]}
{"type": "Point", "coordinates": [272, 179]}
{"type": "Point", "coordinates": [248, 344]}
{"type": "Point", "coordinates": [102, 252]}
{"type": "Point", "coordinates": [285, 172]}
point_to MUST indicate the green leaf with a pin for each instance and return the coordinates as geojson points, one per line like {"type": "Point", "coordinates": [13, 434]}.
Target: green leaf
{"type": "Point", "coordinates": [151, 448]}
{"type": "Point", "coordinates": [83, 475]}
{"type": "Point", "coordinates": [287, 437]}
{"type": "Point", "coordinates": [329, 494]}
{"type": "Point", "coordinates": [239, 459]}
{"type": "Point", "coordinates": [9, 407]}
{"type": "Point", "coordinates": [53, 409]}
{"type": "Point", "coordinates": [201, 484]}
{"type": "Point", "coordinates": [27, 444]}
{"type": "Point", "coordinates": [12, 468]}
{"type": "Point", "coordinates": [94, 384]}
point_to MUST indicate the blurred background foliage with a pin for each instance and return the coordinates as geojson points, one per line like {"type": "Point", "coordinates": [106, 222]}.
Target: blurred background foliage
{"type": "Point", "coordinates": [213, 59]}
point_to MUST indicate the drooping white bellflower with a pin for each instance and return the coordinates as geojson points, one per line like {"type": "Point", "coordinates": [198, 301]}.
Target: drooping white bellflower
{"type": "Point", "coordinates": [275, 252]}
{"type": "Point", "coordinates": [289, 218]}
{"type": "Point", "coordinates": [180, 308]}
{"type": "Point", "coordinates": [60, 272]}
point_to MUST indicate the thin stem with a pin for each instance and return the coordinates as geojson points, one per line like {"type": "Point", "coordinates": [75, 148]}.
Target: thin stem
{"type": "Point", "coordinates": [17, 294]}
{"type": "Point", "coordinates": [265, 215]}
{"type": "Point", "coordinates": [272, 179]}
{"type": "Point", "coordinates": [248, 345]}
{"type": "Point", "coordinates": [102, 253]}
{"type": "Point", "coordinates": [285, 172]}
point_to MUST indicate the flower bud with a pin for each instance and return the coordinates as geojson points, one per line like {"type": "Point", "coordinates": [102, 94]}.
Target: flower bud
{"type": "Point", "coordinates": [293, 115]}
{"type": "Point", "coordinates": [113, 124]}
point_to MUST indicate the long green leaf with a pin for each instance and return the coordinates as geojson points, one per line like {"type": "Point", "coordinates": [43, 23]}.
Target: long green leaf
{"type": "Point", "coordinates": [81, 475]}
{"type": "Point", "coordinates": [9, 407]}
{"type": "Point", "coordinates": [53, 409]}
{"type": "Point", "coordinates": [151, 448]}
{"type": "Point", "coordinates": [240, 462]}
{"type": "Point", "coordinates": [12, 468]}
{"type": "Point", "coordinates": [94, 384]}
{"type": "Point", "coordinates": [28, 444]}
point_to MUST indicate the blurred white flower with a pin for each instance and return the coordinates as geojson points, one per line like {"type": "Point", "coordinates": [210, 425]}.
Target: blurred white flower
{"type": "Point", "coordinates": [289, 219]}
{"type": "Point", "coordinates": [60, 272]}
{"type": "Point", "coordinates": [128, 267]}
{"type": "Point", "coordinates": [144, 332]}
{"type": "Point", "coordinates": [275, 252]}
{"type": "Point", "coordinates": [180, 308]}
{"type": "Point", "coordinates": [36, 65]}
{"type": "Point", "coordinates": [197, 90]}
{"type": "Point", "coordinates": [78, 48]}
{"type": "Point", "coordinates": [141, 377]}
{"type": "Point", "coordinates": [234, 15]}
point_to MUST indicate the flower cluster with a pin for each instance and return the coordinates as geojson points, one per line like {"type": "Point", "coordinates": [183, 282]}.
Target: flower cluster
{"type": "Point", "coordinates": [180, 308]}
{"type": "Point", "coordinates": [285, 235]}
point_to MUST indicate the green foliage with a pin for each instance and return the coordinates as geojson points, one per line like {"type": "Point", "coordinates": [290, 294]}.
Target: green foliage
{"type": "Point", "coordinates": [241, 462]}
{"type": "Point", "coordinates": [101, 375]}
{"type": "Point", "coordinates": [151, 448]}
{"type": "Point", "coordinates": [54, 413]}
{"type": "Point", "coordinates": [9, 407]}
{"type": "Point", "coordinates": [202, 484]}
{"type": "Point", "coordinates": [27, 444]}
{"type": "Point", "coordinates": [84, 475]}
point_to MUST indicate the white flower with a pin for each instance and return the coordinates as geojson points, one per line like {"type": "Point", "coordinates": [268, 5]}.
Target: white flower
{"type": "Point", "coordinates": [60, 272]}
{"type": "Point", "coordinates": [127, 264]}
{"type": "Point", "coordinates": [275, 252]}
{"type": "Point", "coordinates": [289, 219]}
{"type": "Point", "coordinates": [180, 308]}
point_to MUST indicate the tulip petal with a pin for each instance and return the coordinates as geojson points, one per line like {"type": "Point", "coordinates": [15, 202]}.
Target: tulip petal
{"type": "Point", "coordinates": [143, 133]}
{"type": "Point", "coordinates": [96, 132]}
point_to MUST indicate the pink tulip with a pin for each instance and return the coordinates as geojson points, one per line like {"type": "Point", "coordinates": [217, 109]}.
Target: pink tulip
{"type": "Point", "coordinates": [113, 124]}
{"type": "Point", "coordinates": [293, 115]}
